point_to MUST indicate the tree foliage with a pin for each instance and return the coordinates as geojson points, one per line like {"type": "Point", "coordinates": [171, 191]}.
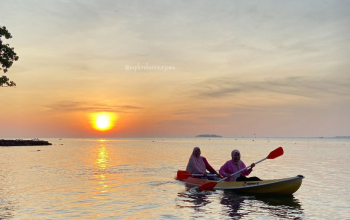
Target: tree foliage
{"type": "Point", "coordinates": [7, 57]}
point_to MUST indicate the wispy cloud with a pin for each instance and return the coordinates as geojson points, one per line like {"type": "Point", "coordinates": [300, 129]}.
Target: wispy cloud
{"type": "Point", "coordinates": [177, 123]}
{"type": "Point", "coordinates": [314, 88]}
{"type": "Point", "coordinates": [71, 106]}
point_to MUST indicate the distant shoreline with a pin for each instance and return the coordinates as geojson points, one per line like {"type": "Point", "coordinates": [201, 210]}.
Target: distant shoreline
{"type": "Point", "coordinates": [20, 142]}
{"type": "Point", "coordinates": [208, 135]}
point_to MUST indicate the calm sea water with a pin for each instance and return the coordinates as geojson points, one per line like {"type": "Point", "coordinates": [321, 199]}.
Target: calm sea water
{"type": "Point", "coordinates": [133, 179]}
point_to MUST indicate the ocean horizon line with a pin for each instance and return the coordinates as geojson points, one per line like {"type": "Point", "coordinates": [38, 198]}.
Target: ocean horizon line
{"type": "Point", "coordinates": [223, 137]}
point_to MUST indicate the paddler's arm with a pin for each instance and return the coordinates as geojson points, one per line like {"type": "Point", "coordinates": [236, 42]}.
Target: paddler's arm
{"type": "Point", "coordinates": [248, 171]}
{"type": "Point", "coordinates": [222, 170]}
{"type": "Point", "coordinates": [210, 168]}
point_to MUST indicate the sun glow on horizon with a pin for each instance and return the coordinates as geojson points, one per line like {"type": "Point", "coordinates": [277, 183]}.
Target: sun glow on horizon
{"type": "Point", "coordinates": [103, 121]}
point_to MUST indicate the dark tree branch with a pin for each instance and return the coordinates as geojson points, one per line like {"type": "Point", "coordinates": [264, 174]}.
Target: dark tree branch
{"type": "Point", "coordinates": [7, 57]}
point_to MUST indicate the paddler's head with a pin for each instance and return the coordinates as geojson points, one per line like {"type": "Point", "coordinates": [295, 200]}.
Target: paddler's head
{"type": "Point", "coordinates": [236, 156]}
{"type": "Point", "coordinates": [196, 151]}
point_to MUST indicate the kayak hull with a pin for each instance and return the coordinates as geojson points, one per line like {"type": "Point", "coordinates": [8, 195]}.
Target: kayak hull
{"type": "Point", "coordinates": [286, 186]}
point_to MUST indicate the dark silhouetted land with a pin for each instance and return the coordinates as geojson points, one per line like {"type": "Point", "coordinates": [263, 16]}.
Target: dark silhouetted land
{"type": "Point", "coordinates": [20, 142]}
{"type": "Point", "coordinates": [208, 135]}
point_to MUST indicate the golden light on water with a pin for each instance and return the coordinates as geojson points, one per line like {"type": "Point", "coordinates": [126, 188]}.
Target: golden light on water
{"type": "Point", "coordinates": [102, 164]}
{"type": "Point", "coordinates": [103, 121]}
{"type": "Point", "coordinates": [102, 158]}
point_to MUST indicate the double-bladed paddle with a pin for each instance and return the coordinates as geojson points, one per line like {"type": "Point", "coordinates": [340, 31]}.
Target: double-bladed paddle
{"type": "Point", "coordinates": [183, 174]}
{"type": "Point", "coordinates": [273, 154]}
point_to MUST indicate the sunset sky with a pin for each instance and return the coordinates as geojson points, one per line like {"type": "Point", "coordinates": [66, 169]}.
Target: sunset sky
{"type": "Point", "coordinates": [235, 68]}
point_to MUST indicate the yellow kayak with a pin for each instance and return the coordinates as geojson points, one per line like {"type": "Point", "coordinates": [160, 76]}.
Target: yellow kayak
{"type": "Point", "coordinates": [276, 186]}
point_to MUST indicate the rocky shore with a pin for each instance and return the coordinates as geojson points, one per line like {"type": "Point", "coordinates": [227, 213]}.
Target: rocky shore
{"type": "Point", "coordinates": [34, 142]}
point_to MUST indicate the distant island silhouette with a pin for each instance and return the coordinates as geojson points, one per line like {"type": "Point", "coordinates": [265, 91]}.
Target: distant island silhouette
{"type": "Point", "coordinates": [208, 135]}
{"type": "Point", "coordinates": [21, 142]}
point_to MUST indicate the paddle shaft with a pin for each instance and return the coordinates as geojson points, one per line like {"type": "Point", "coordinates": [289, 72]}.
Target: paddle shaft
{"type": "Point", "coordinates": [241, 170]}
{"type": "Point", "coordinates": [203, 174]}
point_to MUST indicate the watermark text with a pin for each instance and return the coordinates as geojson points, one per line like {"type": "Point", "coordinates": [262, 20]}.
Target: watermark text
{"type": "Point", "coordinates": [148, 67]}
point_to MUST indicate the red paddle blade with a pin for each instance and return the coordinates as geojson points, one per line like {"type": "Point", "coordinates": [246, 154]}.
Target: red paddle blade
{"type": "Point", "coordinates": [183, 174]}
{"type": "Point", "coordinates": [207, 186]}
{"type": "Point", "coordinates": [275, 153]}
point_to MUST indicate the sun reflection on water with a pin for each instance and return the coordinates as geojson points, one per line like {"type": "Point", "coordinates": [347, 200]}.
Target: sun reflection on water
{"type": "Point", "coordinates": [102, 162]}
{"type": "Point", "coordinates": [102, 159]}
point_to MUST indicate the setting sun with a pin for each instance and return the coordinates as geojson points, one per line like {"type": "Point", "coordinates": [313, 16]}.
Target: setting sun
{"type": "Point", "coordinates": [103, 121]}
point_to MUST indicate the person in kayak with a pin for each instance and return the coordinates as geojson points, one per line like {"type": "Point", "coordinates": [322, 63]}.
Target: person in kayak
{"type": "Point", "coordinates": [234, 165]}
{"type": "Point", "coordinates": [198, 164]}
